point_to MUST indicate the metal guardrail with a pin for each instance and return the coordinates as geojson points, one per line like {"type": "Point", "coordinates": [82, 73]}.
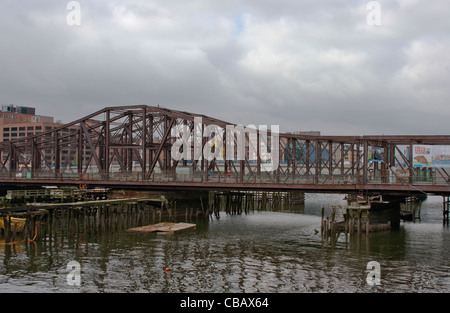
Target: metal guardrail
{"type": "Point", "coordinates": [287, 179]}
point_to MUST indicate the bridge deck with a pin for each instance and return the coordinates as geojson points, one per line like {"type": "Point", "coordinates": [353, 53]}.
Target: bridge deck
{"type": "Point", "coordinates": [228, 185]}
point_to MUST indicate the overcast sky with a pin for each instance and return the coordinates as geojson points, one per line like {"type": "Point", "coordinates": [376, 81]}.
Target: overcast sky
{"type": "Point", "coordinates": [303, 65]}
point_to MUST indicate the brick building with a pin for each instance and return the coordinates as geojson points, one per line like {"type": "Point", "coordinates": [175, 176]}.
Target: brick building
{"type": "Point", "coordinates": [18, 122]}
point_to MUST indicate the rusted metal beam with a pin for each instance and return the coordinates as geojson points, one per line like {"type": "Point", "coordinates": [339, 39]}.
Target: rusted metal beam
{"type": "Point", "coordinates": [160, 148]}
{"type": "Point", "coordinates": [93, 149]}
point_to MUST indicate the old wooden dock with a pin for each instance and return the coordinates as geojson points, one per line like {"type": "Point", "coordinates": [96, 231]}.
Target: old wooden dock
{"type": "Point", "coordinates": [22, 222]}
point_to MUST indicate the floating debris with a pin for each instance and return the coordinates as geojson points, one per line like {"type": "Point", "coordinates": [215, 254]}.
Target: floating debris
{"type": "Point", "coordinates": [163, 227]}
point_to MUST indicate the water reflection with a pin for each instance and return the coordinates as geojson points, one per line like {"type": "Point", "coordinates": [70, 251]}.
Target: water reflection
{"type": "Point", "coordinates": [257, 252]}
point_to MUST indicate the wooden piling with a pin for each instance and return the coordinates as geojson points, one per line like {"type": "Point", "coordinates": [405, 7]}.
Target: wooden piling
{"type": "Point", "coordinates": [367, 223]}
{"type": "Point", "coordinates": [445, 208]}
{"type": "Point", "coordinates": [6, 223]}
{"type": "Point", "coordinates": [347, 224]}
{"type": "Point", "coordinates": [333, 216]}
{"type": "Point", "coordinates": [321, 220]}
{"type": "Point", "coordinates": [359, 222]}
{"type": "Point", "coordinates": [14, 232]}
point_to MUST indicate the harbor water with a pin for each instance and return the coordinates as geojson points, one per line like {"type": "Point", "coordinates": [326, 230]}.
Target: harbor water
{"type": "Point", "coordinates": [262, 251]}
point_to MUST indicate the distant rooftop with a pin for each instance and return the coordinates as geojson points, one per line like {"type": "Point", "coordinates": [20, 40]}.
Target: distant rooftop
{"type": "Point", "coordinates": [11, 108]}
{"type": "Point", "coordinates": [308, 133]}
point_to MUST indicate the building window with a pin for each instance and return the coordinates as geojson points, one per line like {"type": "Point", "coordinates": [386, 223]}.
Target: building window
{"type": "Point", "coordinates": [13, 129]}
{"type": "Point", "coordinates": [6, 129]}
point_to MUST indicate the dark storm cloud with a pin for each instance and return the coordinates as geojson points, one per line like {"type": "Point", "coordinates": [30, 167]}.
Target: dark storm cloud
{"type": "Point", "coordinates": [301, 64]}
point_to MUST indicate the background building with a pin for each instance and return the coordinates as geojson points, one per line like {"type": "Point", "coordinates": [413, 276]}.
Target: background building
{"type": "Point", "coordinates": [17, 122]}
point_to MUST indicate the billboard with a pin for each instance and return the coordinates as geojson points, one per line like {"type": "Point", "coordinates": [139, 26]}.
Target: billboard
{"type": "Point", "coordinates": [431, 156]}
{"type": "Point", "coordinates": [375, 154]}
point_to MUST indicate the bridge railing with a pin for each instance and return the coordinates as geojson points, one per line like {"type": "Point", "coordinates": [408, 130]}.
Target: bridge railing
{"type": "Point", "coordinates": [391, 178]}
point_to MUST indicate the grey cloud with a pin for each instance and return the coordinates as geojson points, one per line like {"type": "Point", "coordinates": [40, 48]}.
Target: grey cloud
{"type": "Point", "coordinates": [306, 65]}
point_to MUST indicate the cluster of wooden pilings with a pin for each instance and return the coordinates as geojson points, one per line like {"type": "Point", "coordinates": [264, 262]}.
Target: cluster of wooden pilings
{"type": "Point", "coordinates": [233, 202]}
{"type": "Point", "coordinates": [410, 209]}
{"type": "Point", "coordinates": [331, 227]}
{"type": "Point", "coordinates": [65, 221]}
{"type": "Point", "coordinates": [278, 201]}
{"type": "Point", "coordinates": [352, 222]}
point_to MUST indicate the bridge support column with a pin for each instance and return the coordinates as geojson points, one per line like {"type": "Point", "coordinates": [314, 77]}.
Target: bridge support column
{"type": "Point", "coordinates": [387, 212]}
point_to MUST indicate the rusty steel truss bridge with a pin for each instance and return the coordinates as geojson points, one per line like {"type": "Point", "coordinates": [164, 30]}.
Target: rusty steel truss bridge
{"type": "Point", "coordinates": [132, 147]}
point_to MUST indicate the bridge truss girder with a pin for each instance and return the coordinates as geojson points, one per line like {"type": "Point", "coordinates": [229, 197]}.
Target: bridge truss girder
{"type": "Point", "coordinates": [134, 143]}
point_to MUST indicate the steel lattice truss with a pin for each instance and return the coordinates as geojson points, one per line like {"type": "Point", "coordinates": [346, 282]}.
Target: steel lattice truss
{"type": "Point", "coordinates": [133, 145]}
